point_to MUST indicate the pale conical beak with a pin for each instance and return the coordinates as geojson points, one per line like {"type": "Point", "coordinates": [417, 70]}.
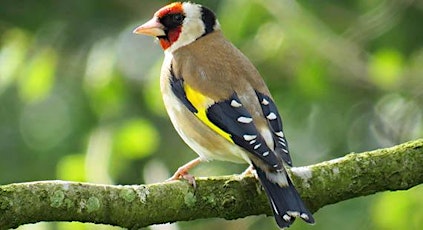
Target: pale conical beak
{"type": "Point", "coordinates": [151, 28]}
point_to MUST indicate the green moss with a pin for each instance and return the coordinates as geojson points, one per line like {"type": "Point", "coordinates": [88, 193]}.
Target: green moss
{"type": "Point", "coordinates": [69, 203]}
{"type": "Point", "coordinates": [210, 199]}
{"type": "Point", "coordinates": [229, 202]}
{"type": "Point", "coordinates": [190, 199]}
{"type": "Point", "coordinates": [56, 200]}
{"type": "Point", "coordinates": [93, 204]}
{"type": "Point", "coordinates": [4, 204]}
{"type": "Point", "coordinates": [128, 194]}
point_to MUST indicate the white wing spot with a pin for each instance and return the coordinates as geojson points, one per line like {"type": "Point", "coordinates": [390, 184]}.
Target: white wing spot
{"type": "Point", "coordinates": [293, 213]}
{"type": "Point", "coordinates": [271, 116]}
{"type": "Point", "coordinates": [275, 166]}
{"type": "Point", "coordinates": [249, 137]}
{"type": "Point", "coordinates": [282, 143]}
{"type": "Point", "coordinates": [286, 151]}
{"type": "Point", "coordinates": [286, 217]}
{"type": "Point", "coordinates": [304, 216]}
{"type": "Point", "coordinates": [265, 154]}
{"type": "Point", "coordinates": [280, 134]}
{"type": "Point", "coordinates": [235, 104]}
{"type": "Point", "coordinates": [264, 101]}
{"type": "Point", "coordinates": [252, 142]}
{"type": "Point", "coordinates": [245, 119]}
{"type": "Point", "coordinates": [257, 146]}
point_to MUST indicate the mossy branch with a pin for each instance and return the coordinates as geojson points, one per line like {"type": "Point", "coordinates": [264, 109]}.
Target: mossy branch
{"type": "Point", "coordinates": [229, 197]}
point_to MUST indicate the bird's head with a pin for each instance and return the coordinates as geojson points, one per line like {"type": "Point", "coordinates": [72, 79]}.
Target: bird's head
{"type": "Point", "coordinates": [178, 24]}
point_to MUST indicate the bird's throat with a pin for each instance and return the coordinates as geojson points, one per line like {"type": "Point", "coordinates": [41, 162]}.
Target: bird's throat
{"type": "Point", "coordinates": [170, 38]}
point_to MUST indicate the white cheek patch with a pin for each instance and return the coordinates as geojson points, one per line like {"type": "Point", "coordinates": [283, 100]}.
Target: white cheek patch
{"type": "Point", "coordinates": [192, 27]}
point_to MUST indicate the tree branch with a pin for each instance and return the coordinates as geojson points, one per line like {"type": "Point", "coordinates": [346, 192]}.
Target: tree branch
{"type": "Point", "coordinates": [229, 197]}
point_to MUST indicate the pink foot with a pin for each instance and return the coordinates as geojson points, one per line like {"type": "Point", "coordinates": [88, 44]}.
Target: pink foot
{"type": "Point", "coordinates": [249, 171]}
{"type": "Point", "coordinates": [182, 172]}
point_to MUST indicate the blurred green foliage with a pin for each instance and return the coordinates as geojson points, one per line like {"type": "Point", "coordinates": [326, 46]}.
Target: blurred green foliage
{"type": "Point", "coordinates": [79, 95]}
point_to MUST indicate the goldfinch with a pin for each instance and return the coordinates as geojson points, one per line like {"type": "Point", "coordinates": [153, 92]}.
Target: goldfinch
{"type": "Point", "coordinates": [220, 105]}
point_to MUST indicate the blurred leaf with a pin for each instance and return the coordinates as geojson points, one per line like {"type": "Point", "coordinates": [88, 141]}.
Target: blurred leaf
{"type": "Point", "coordinates": [100, 63]}
{"type": "Point", "coordinates": [71, 167]}
{"type": "Point", "coordinates": [151, 90]}
{"type": "Point", "coordinates": [107, 100]}
{"type": "Point", "coordinates": [397, 119]}
{"type": "Point", "coordinates": [102, 84]}
{"type": "Point", "coordinates": [37, 77]}
{"type": "Point", "coordinates": [399, 210]}
{"type": "Point", "coordinates": [137, 55]}
{"type": "Point", "coordinates": [12, 54]}
{"type": "Point", "coordinates": [136, 138]}
{"type": "Point", "coordinates": [37, 226]}
{"type": "Point", "coordinates": [155, 171]}
{"type": "Point", "coordinates": [85, 226]}
{"type": "Point", "coordinates": [97, 156]}
{"type": "Point", "coordinates": [44, 124]}
{"type": "Point", "coordinates": [415, 82]}
{"type": "Point", "coordinates": [73, 226]}
{"type": "Point", "coordinates": [385, 68]}
{"type": "Point", "coordinates": [239, 25]}
{"type": "Point", "coordinates": [266, 44]}
{"type": "Point", "coordinates": [311, 79]}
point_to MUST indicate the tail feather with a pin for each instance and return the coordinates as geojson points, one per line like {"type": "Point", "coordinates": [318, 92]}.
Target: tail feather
{"type": "Point", "coordinates": [285, 201]}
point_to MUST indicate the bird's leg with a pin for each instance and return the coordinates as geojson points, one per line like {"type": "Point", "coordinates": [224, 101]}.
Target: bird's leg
{"type": "Point", "coordinates": [182, 172]}
{"type": "Point", "coordinates": [249, 171]}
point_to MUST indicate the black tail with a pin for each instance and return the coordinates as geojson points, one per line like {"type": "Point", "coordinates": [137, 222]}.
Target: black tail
{"type": "Point", "coordinates": [286, 203]}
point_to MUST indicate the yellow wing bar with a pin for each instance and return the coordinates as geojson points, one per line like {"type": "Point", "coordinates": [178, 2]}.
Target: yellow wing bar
{"type": "Point", "coordinates": [202, 103]}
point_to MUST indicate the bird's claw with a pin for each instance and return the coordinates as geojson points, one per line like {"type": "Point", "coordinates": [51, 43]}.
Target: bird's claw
{"type": "Point", "coordinates": [181, 173]}
{"type": "Point", "coordinates": [250, 171]}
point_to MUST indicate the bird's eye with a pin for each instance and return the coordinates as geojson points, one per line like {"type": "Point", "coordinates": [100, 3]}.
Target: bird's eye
{"type": "Point", "coordinates": [177, 18]}
{"type": "Point", "coordinates": [171, 21]}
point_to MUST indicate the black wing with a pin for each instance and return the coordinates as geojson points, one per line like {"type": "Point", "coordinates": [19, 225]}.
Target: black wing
{"type": "Point", "coordinates": [232, 118]}
{"type": "Point", "coordinates": [275, 123]}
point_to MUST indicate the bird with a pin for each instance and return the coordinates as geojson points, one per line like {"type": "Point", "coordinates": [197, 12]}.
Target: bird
{"type": "Point", "coordinates": [220, 105]}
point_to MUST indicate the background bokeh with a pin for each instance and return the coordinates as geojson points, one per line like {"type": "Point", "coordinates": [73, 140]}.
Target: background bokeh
{"type": "Point", "coordinates": [79, 94]}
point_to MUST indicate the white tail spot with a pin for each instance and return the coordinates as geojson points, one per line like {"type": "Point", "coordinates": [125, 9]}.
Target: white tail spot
{"type": "Point", "coordinates": [304, 216]}
{"type": "Point", "coordinates": [293, 213]}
